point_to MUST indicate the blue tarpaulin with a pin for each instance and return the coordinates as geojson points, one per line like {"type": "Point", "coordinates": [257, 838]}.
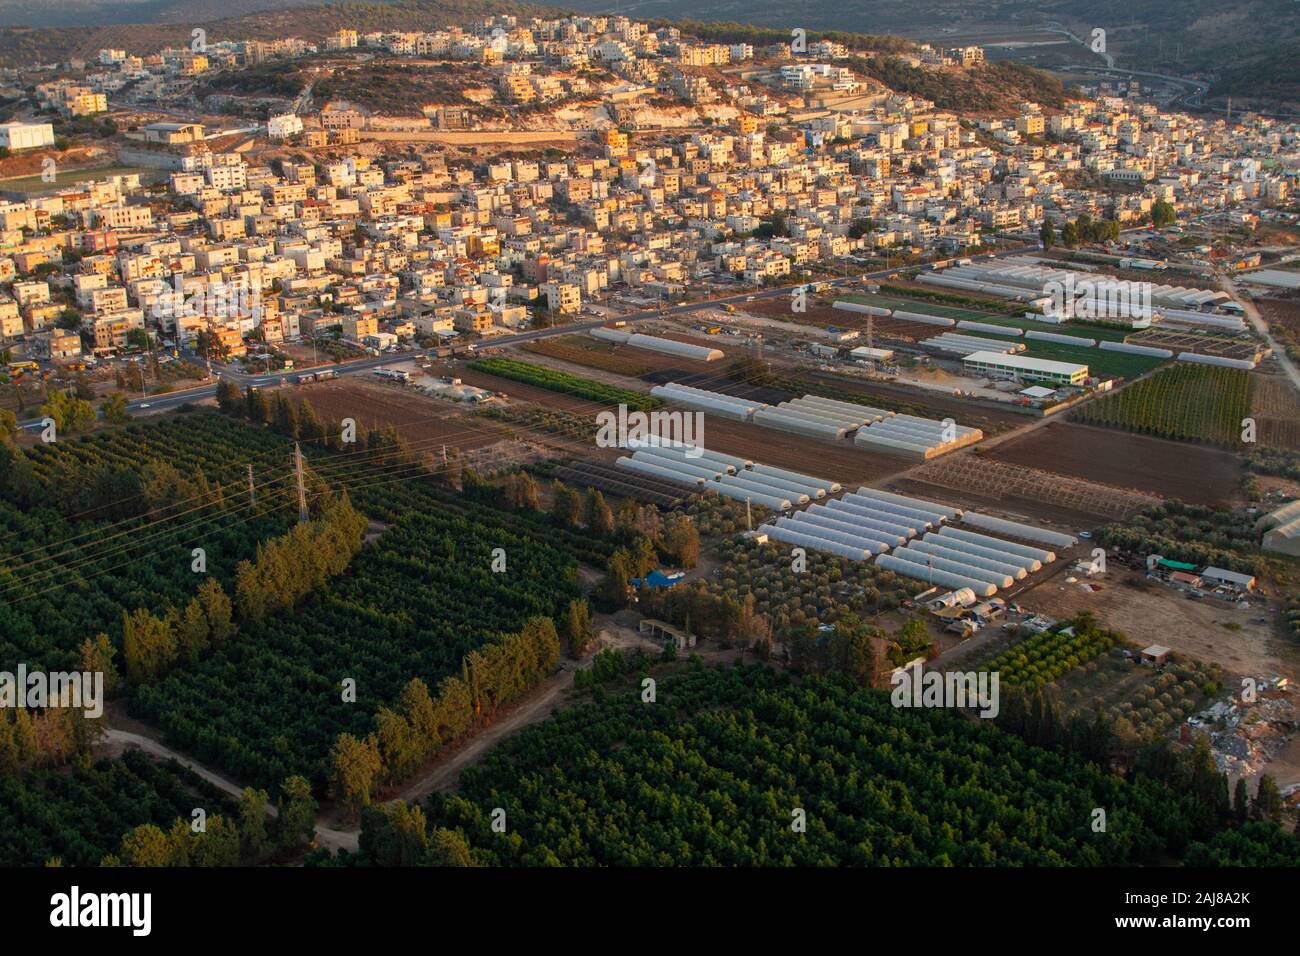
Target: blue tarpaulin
{"type": "Point", "coordinates": [657, 579]}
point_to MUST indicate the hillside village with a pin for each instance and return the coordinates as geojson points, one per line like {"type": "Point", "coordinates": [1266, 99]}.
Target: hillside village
{"type": "Point", "coordinates": [374, 317]}
{"type": "Point", "coordinates": [423, 245]}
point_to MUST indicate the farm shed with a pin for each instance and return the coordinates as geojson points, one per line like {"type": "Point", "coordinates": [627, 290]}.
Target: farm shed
{"type": "Point", "coordinates": [1232, 579]}
{"type": "Point", "coordinates": [1156, 654]}
{"type": "Point", "coordinates": [662, 630]}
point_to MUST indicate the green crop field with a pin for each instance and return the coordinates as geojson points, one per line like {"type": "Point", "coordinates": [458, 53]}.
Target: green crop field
{"type": "Point", "coordinates": [549, 378]}
{"type": "Point", "coordinates": [1099, 361]}
{"type": "Point", "coordinates": [1186, 402]}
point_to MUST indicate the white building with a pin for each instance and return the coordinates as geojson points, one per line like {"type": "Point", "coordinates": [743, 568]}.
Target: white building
{"type": "Point", "coordinates": [15, 136]}
{"type": "Point", "coordinates": [284, 126]}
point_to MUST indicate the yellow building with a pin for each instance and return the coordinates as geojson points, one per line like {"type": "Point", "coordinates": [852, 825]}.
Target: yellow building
{"type": "Point", "coordinates": [355, 328]}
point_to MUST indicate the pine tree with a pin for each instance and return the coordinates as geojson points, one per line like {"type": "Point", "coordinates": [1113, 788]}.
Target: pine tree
{"type": "Point", "coordinates": [296, 819]}
{"type": "Point", "coordinates": [257, 407]}
{"type": "Point", "coordinates": [599, 519]}
{"type": "Point", "coordinates": [567, 509]}
{"type": "Point", "coordinates": [578, 629]}
{"type": "Point", "coordinates": [192, 633]}
{"type": "Point", "coordinates": [97, 655]}
{"type": "Point", "coordinates": [148, 645]}
{"type": "Point", "coordinates": [230, 399]}
{"type": "Point", "coordinates": [217, 610]}
{"type": "Point", "coordinates": [1241, 801]}
{"type": "Point", "coordinates": [1268, 801]}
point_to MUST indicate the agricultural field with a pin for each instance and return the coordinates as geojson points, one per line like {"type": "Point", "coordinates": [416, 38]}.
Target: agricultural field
{"type": "Point", "coordinates": [838, 461]}
{"type": "Point", "coordinates": [425, 422]}
{"type": "Point", "coordinates": [830, 588]}
{"type": "Point", "coordinates": [821, 316]}
{"type": "Point", "coordinates": [593, 353]}
{"type": "Point", "coordinates": [1194, 534]}
{"type": "Point", "coordinates": [994, 480]}
{"type": "Point", "coordinates": [712, 773]}
{"type": "Point", "coordinates": [269, 704]}
{"type": "Point", "coordinates": [78, 816]}
{"type": "Point", "coordinates": [612, 480]}
{"type": "Point", "coordinates": [1150, 466]}
{"type": "Point", "coordinates": [1198, 403]}
{"type": "Point", "coordinates": [999, 312]}
{"type": "Point", "coordinates": [1275, 406]}
{"type": "Point", "coordinates": [922, 302]}
{"type": "Point", "coordinates": [1283, 317]}
{"type": "Point", "coordinates": [564, 383]}
{"type": "Point", "coordinates": [93, 526]}
{"type": "Point", "coordinates": [1099, 361]}
{"type": "Point", "coordinates": [907, 401]}
{"type": "Point", "coordinates": [1227, 346]}
{"type": "Point", "coordinates": [1046, 657]}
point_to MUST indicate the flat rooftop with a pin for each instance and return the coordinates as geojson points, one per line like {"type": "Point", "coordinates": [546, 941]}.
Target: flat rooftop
{"type": "Point", "coordinates": [1026, 363]}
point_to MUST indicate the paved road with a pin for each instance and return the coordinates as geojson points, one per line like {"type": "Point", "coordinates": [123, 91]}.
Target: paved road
{"type": "Point", "coordinates": [356, 366]}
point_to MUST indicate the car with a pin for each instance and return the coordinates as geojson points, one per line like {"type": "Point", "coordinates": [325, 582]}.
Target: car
{"type": "Point", "coordinates": [143, 405]}
{"type": "Point", "coordinates": [1085, 534]}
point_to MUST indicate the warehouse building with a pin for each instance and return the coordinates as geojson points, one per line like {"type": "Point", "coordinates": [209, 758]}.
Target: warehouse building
{"type": "Point", "coordinates": [16, 136]}
{"type": "Point", "coordinates": [998, 365]}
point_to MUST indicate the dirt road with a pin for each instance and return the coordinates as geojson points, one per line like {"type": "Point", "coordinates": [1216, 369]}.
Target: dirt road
{"type": "Point", "coordinates": [1261, 326]}
{"type": "Point", "coordinates": [117, 740]}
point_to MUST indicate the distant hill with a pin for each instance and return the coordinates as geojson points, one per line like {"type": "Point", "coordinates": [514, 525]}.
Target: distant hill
{"type": "Point", "coordinates": [1250, 45]}
{"type": "Point", "coordinates": [96, 13]}
{"type": "Point", "coordinates": [20, 46]}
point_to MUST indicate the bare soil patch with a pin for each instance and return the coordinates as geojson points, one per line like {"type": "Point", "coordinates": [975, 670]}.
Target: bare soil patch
{"type": "Point", "coordinates": [1153, 614]}
{"type": "Point", "coordinates": [1191, 473]}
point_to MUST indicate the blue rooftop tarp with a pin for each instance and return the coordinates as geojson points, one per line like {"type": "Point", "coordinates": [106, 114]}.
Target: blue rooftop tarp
{"type": "Point", "coordinates": [657, 579]}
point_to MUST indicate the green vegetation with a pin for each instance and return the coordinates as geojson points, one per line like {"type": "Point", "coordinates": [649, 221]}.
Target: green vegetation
{"type": "Point", "coordinates": [1047, 656]}
{"type": "Point", "coordinates": [94, 526]}
{"type": "Point", "coordinates": [271, 703]}
{"type": "Point", "coordinates": [950, 305]}
{"type": "Point", "coordinates": [1194, 534]}
{"type": "Point", "coordinates": [1274, 461]}
{"type": "Point", "coordinates": [984, 87]}
{"type": "Point", "coordinates": [756, 591]}
{"type": "Point", "coordinates": [80, 814]}
{"type": "Point", "coordinates": [716, 770]}
{"type": "Point", "coordinates": [554, 420]}
{"type": "Point", "coordinates": [564, 382]}
{"type": "Point", "coordinates": [1203, 403]}
{"type": "Point", "coordinates": [1099, 361]}
{"type": "Point", "coordinates": [1168, 700]}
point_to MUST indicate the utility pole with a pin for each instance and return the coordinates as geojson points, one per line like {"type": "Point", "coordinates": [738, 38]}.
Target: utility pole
{"type": "Point", "coordinates": [302, 488]}
{"type": "Point", "coordinates": [252, 493]}
{"type": "Point", "coordinates": [871, 357]}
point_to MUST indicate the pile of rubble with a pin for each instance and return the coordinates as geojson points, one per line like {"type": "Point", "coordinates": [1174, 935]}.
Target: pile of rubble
{"type": "Point", "coordinates": [1247, 734]}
